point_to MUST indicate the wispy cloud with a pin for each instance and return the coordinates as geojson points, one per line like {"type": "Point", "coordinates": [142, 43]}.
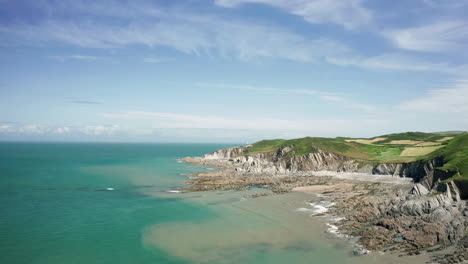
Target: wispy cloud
{"type": "Point", "coordinates": [86, 102]}
{"type": "Point", "coordinates": [347, 13]}
{"type": "Point", "coordinates": [262, 89]}
{"type": "Point", "coordinates": [157, 59]}
{"type": "Point", "coordinates": [34, 129]}
{"type": "Point", "coordinates": [187, 33]}
{"type": "Point", "coordinates": [74, 57]}
{"type": "Point", "coordinates": [445, 3]}
{"type": "Point", "coordinates": [97, 130]}
{"type": "Point", "coordinates": [452, 101]}
{"type": "Point", "coordinates": [4, 128]}
{"type": "Point", "coordinates": [103, 8]}
{"type": "Point", "coordinates": [180, 125]}
{"type": "Point", "coordinates": [188, 121]}
{"type": "Point", "coordinates": [322, 95]}
{"type": "Point", "coordinates": [210, 35]}
{"type": "Point", "coordinates": [399, 62]}
{"type": "Point", "coordinates": [434, 37]}
{"type": "Point", "coordinates": [26, 129]}
{"type": "Point", "coordinates": [61, 130]}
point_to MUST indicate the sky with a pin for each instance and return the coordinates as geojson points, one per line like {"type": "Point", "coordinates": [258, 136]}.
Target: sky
{"type": "Point", "coordinates": [230, 70]}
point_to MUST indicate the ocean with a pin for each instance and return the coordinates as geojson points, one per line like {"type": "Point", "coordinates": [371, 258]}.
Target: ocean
{"type": "Point", "coordinates": [116, 203]}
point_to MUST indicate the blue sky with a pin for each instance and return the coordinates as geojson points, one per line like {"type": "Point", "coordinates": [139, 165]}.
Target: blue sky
{"type": "Point", "coordinates": [230, 70]}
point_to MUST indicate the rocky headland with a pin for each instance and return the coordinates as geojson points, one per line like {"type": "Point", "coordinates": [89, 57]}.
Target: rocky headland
{"type": "Point", "coordinates": [424, 213]}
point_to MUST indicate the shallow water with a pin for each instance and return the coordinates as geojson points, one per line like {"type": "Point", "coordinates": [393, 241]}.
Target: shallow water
{"type": "Point", "coordinates": [110, 203]}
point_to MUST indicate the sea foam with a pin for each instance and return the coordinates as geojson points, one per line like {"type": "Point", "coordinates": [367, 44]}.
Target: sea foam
{"type": "Point", "coordinates": [316, 209]}
{"type": "Point", "coordinates": [333, 229]}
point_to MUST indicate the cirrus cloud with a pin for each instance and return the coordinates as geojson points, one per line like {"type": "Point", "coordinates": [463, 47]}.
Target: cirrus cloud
{"type": "Point", "coordinates": [188, 33]}
{"type": "Point", "coordinates": [435, 37]}
{"type": "Point", "coordinates": [350, 14]}
{"type": "Point", "coordinates": [446, 100]}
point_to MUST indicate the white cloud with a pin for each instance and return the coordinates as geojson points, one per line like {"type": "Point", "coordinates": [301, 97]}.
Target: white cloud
{"type": "Point", "coordinates": [62, 130]}
{"type": "Point", "coordinates": [348, 13]}
{"type": "Point", "coordinates": [322, 95]}
{"type": "Point", "coordinates": [5, 128]}
{"type": "Point", "coordinates": [452, 101]}
{"type": "Point", "coordinates": [163, 120]}
{"type": "Point", "coordinates": [157, 59]}
{"type": "Point", "coordinates": [450, 4]}
{"type": "Point", "coordinates": [186, 33]}
{"type": "Point", "coordinates": [107, 8]}
{"type": "Point", "coordinates": [86, 102]}
{"type": "Point", "coordinates": [435, 37]}
{"type": "Point", "coordinates": [32, 129]}
{"type": "Point", "coordinates": [75, 57]}
{"type": "Point", "coordinates": [97, 130]}
{"type": "Point", "coordinates": [261, 89]}
{"type": "Point", "coordinates": [399, 62]}
{"type": "Point", "coordinates": [332, 98]}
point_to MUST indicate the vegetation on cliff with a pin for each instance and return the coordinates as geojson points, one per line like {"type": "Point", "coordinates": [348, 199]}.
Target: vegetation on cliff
{"type": "Point", "coordinates": [455, 155]}
{"type": "Point", "coordinates": [400, 147]}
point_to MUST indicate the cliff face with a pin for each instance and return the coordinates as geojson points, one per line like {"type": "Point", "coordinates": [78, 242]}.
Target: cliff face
{"type": "Point", "coordinates": [226, 153]}
{"type": "Point", "coordinates": [281, 161]}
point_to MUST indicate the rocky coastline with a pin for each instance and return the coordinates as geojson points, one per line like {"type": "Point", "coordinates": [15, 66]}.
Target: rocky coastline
{"type": "Point", "coordinates": [427, 214]}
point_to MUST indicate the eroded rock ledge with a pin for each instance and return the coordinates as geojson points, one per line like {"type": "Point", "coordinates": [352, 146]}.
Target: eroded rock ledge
{"type": "Point", "coordinates": [429, 215]}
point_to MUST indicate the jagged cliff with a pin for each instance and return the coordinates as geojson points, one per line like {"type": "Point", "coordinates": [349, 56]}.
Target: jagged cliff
{"type": "Point", "coordinates": [280, 162]}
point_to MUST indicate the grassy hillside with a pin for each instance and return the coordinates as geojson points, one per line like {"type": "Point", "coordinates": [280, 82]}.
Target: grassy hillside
{"type": "Point", "coordinates": [455, 154]}
{"type": "Point", "coordinates": [401, 147]}
{"type": "Point", "coordinates": [450, 133]}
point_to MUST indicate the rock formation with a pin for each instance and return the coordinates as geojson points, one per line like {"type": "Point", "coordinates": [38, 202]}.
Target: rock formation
{"type": "Point", "coordinates": [429, 216]}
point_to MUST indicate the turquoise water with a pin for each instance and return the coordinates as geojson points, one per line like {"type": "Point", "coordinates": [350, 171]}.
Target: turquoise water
{"type": "Point", "coordinates": [55, 209]}
{"type": "Point", "coordinates": [51, 211]}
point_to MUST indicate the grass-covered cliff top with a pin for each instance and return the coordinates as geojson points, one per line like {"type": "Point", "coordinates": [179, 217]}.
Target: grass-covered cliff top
{"type": "Point", "coordinates": [455, 155]}
{"type": "Point", "coordinates": [401, 147]}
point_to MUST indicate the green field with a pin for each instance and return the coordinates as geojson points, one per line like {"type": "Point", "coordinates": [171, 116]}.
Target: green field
{"type": "Point", "coordinates": [452, 146]}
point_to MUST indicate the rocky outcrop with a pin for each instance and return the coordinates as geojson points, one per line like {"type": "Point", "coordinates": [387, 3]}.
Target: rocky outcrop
{"type": "Point", "coordinates": [279, 162]}
{"type": "Point", "coordinates": [419, 190]}
{"type": "Point", "coordinates": [411, 221]}
{"type": "Point", "coordinates": [283, 161]}
{"type": "Point", "coordinates": [226, 153]}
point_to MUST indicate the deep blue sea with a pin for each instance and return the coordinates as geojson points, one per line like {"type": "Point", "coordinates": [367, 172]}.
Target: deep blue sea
{"type": "Point", "coordinates": [113, 203]}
